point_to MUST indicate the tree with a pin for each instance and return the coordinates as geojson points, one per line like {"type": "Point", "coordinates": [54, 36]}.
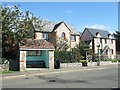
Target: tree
{"type": "Point", "coordinates": [80, 50]}
{"type": "Point", "coordinates": [16, 25]}
{"type": "Point", "coordinates": [117, 36]}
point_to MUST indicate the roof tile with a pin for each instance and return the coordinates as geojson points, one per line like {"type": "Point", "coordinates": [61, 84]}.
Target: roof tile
{"type": "Point", "coordinates": [36, 44]}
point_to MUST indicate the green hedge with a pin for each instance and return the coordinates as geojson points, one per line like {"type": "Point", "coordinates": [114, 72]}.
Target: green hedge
{"type": "Point", "coordinates": [67, 56]}
{"type": "Point", "coordinates": [114, 60]}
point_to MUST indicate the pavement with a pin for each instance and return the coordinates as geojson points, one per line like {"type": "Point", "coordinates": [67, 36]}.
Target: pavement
{"type": "Point", "coordinates": [43, 71]}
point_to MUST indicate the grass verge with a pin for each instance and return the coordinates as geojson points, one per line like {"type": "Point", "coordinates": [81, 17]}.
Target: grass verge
{"type": "Point", "coordinates": [5, 72]}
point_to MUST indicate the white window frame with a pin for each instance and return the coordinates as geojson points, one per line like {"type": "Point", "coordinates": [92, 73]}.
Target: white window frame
{"type": "Point", "coordinates": [98, 40]}
{"type": "Point", "coordinates": [63, 36]}
{"type": "Point", "coordinates": [73, 38]}
{"type": "Point", "coordinates": [44, 35]}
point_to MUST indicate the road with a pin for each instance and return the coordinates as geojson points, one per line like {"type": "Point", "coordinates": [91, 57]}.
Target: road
{"type": "Point", "coordinates": [102, 78]}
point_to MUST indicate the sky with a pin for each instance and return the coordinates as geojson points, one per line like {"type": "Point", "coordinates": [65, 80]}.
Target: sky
{"type": "Point", "coordinates": [100, 15]}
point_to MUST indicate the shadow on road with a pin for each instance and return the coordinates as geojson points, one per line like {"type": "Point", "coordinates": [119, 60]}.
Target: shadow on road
{"type": "Point", "coordinates": [59, 80]}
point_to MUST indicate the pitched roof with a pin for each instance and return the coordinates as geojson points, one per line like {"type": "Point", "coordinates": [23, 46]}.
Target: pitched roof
{"type": "Point", "coordinates": [103, 33]}
{"type": "Point", "coordinates": [48, 26]}
{"type": "Point", "coordinates": [36, 44]}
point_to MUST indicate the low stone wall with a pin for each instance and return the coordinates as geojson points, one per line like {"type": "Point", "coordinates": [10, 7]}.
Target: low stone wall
{"type": "Point", "coordinates": [75, 65]}
{"type": "Point", "coordinates": [92, 63]}
{"type": "Point", "coordinates": [71, 65]}
{"type": "Point", "coordinates": [105, 63]}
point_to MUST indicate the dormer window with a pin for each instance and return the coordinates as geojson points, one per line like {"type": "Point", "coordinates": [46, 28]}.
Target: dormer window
{"type": "Point", "coordinates": [63, 35]}
{"type": "Point", "coordinates": [97, 33]}
{"type": "Point", "coordinates": [109, 35]}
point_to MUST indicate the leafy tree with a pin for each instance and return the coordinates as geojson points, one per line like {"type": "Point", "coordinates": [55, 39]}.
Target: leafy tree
{"type": "Point", "coordinates": [16, 25]}
{"type": "Point", "coordinates": [117, 36]}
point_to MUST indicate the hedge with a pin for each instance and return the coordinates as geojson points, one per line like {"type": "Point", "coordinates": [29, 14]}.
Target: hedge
{"type": "Point", "coordinates": [67, 56]}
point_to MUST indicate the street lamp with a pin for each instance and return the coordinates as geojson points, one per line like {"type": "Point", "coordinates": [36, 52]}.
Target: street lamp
{"type": "Point", "coordinates": [98, 61]}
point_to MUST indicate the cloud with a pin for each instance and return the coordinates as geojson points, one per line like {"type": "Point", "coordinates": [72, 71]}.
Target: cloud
{"type": "Point", "coordinates": [9, 6]}
{"type": "Point", "coordinates": [99, 26]}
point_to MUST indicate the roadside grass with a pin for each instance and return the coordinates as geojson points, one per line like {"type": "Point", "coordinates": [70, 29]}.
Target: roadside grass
{"type": "Point", "coordinates": [5, 72]}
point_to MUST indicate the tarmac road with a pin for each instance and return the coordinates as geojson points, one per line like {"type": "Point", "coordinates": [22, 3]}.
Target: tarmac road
{"type": "Point", "coordinates": [97, 78]}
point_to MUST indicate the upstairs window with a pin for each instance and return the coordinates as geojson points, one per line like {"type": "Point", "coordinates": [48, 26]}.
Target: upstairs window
{"type": "Point", "coordinates": [45, 35]}
{"type": "Point", "coordinates": [111, 41]}
{"type": "Point", "coordinates": [100, 40]}
{"type": "Point", "coordinates": [105, 40]}
{"type": "Point", "coordinates": [97, 33]}
{"type": "Point", "coordinates": [63, 35]}
{"type": "Point", "coordinates": [73, 38]}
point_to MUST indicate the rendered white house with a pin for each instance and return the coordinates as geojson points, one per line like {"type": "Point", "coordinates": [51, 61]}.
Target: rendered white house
{"type": "Point", "coordinates": [100, 41]}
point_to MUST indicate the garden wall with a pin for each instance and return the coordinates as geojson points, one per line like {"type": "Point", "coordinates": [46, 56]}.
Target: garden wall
{"type": "Point", "coordinates": [78, 65]}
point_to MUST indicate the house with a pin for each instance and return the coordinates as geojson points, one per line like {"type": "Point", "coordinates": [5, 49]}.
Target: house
{"type": "Point", "coordinates": [60, 34]}
{"type": "Point", "coordinates": [100, 41]}
{"type": "Point", "coordinates": [36, 54]}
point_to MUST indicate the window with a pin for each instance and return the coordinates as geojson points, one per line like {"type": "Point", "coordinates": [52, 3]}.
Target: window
{"type": "Point", "coordinates": [111, 41]}
{"type": "Point", "coordinates": [33, 53]}
{"type": "Point", "coordinates": [101, 51]}
{"type": "Point", "coordinates": [111, 51]}
{"type": "Point", "coordinates": [105, 40]}
{"type": "Point", "coordinates": [73, 38]}
{"type": "Point", "coordinates": [63, 35]}
{"type": "Point", "coordinates": [97, 33]}
{"type": "Point", "coordinates": [100, 40]}
{"type": "Point", "coordinates": [45, 35]}
{"type": "Point", "coordinates": [106, 52]}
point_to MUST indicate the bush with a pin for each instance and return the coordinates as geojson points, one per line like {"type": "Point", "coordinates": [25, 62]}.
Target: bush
{"type": "Point", "coordinates": [83, 61]}
{"type": "Point", "coordinates": [66, 56]}
{"type": "Point", "coordinates": [114, 60]}
{"type": "Point", "coordinates": [118, 60]}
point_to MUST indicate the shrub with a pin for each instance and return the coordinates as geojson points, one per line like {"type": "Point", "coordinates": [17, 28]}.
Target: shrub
{"type": "Point", "coordinates": [66, 56]}
{"type": "Point", "coordinates": [83, 61]}
{"type": "Point", "coordinates": [118, 60]}
{"type": "Point", "coordinates": [114, 60]}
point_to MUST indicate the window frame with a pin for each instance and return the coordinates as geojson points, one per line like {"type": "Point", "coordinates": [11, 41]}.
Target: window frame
{"type": "Point", "coordinates": [112, 51]}
{"type": "Point", "coordinates": [100, 40]}
{"type": "Point", "coordinates": [105, 41]}
{"type": "Point", "coordinates": [63, 36]}
{"type": "Point", "coordinates": [73, 38]}
{"type": "Point", "coordinates": [106, 52]}
{"type": "Point", "coordinates": [45, 36]}
{"type": "Point", "coordinates": [112, 41]}
{"type": "Point", "coordinates": [34, 53]}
